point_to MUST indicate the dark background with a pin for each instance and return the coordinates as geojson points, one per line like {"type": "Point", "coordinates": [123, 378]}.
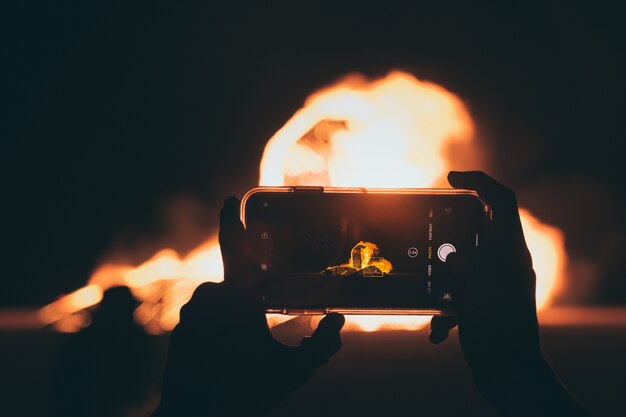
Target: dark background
{"type": "Point", "coordinates": [127, 123]}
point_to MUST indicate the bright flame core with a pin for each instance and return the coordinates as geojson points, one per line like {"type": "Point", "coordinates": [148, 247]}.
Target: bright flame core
{"type": "Point", "coordinates": [392, 132]}
{"type": "Point", "coordinates": [388, 133]}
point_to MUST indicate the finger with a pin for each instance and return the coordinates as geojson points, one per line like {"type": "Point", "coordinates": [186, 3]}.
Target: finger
{"type": "Point", "coordinates": [325, 340]}
{"type": "Point", "coordinates": [500, 198]}
{"type": "Point", "coordinates": [456, 263]}
{"type": "Point", "coordinates": [440, 328]}
{"type": "Point", "coordinates": [490, 190]}
{"type": "Point", "coordinates": [462, 270]}
{"type": "Point", "coordinates": [507, 227]}
{"type": "Point", "coordinates": [466, 284]}
{"type": "Point", "coordinates": [232, 238]}
{"type": "Point", "coordinates": [327, 333]}
{"type": "Point", "coordinates": [315, 350]}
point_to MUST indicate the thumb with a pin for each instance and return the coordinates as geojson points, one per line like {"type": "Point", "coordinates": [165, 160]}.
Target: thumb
{"type": "Point", "coordinates": [325, 341]}
{"type": "Point", "coordinates": [315, 350]}
{"type": "Point", "coordinates": [460, 270]}
{"type": "Point", "coordinates": [327, 334]}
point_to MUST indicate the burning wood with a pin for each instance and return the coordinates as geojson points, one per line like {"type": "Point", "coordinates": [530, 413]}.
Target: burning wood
{"type": "Point", "coordinates": [364, 259]}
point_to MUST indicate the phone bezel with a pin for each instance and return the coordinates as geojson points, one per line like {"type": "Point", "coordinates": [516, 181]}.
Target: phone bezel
{"type": "Point", "coordinates": [359, 190]}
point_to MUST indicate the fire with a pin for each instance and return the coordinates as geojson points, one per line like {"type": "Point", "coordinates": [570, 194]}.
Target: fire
{"type": "Point", "coordinates": [547, 246]}
{"type": "Point", "coordinates": [392, 132]}
{"type": "Point", "coordinates": [363, 257]}
{"type": "Point", "coordinates": [388, 133]}
{"type": "Point", "coordinates": [164, 283]}
{"type": "Point", "coordinates": [71, 303]}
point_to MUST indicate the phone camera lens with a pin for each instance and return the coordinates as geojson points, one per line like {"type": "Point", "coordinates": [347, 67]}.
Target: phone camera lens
{"type": "Point", "coordinates": [264, 235]}
{"type": "Point", "coordinates": [448, 210]}
{"type": "Point", "coordinates": [265, 204]}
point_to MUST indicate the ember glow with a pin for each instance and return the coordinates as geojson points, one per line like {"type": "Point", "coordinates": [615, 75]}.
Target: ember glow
{"type": "Point", "coordinates": [392, 132]}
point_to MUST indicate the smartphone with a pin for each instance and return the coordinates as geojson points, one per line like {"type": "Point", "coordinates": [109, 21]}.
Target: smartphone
{"type": "Point", "coordinates": [360, 251]}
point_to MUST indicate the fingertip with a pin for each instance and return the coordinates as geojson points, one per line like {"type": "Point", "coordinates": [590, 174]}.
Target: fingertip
{"type": "Point", "coordinates": [457, 264]}
{"type": "Point", "coordinates": [230, 206]}
{"type": "Point", "coordinates": [440, 328]}
{"type": "Point", "coordinates": [466, 179]}
{"type": "Point", "coordinates": [438, 336]}
{"type": "Point", "coordinates": [332, 322]}
{"type": "Point", "coordinates": [327, 335]}
{"type": "Point", "coordinates": [229, 215]}
{"type": "Point", "coordinates": [231, 199]}
{"type": "Point", "coordinates": [453, 261]}
{"type": "Point", "coordinates": [453, 177]}
{"type": "Point", "coordinates": [232, 240]}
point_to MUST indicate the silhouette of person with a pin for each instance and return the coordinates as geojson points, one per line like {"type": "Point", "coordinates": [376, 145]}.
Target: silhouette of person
{"type": "Point", "coordinates": [103, 367]}
{"type": "Point", "coordinates": [223, 360]}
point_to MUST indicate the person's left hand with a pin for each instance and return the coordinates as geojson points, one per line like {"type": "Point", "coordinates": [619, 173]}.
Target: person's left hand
{"type": "Point", "coordinates": [223, 360]}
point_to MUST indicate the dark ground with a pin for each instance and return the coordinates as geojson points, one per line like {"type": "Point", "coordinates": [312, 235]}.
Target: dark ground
{"type": "Point", "coordinates": [390, 373]}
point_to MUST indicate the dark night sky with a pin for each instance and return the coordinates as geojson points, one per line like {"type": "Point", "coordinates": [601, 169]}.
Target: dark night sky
{"type": "Point", "coordinates": [121, 114]}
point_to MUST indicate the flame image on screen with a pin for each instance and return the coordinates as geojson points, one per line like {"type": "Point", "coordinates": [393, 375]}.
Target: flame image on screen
{"type": "Point", "coordinates": [364, 258]}
{"type": "Point", "coordinates": [398, 127]}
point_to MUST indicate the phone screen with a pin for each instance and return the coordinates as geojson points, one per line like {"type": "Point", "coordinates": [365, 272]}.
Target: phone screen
{"type": "Point", "coordinates": [360, 251]}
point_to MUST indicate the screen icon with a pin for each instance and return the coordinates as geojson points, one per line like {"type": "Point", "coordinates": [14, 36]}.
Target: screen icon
{"type": "Point", "coordinates": [445, 250]}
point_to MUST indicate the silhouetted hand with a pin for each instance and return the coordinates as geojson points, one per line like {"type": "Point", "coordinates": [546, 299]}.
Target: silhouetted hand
{"type": "Point", "coordinates": [497, 317]}
{"type": "Point", "coordinates": [223, 360]}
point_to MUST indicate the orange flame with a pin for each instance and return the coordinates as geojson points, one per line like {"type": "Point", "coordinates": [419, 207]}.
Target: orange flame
{"type": "Point", "coordinates": [71, 303]}
{"type": "Point", "coordinates": [163, 284]}
{"type": "Point", "coordinates": [392, 132]}
{"type": "Point", "coordinates": [547, 245]}
{"type": "Point", "coordinates": [388, 133]}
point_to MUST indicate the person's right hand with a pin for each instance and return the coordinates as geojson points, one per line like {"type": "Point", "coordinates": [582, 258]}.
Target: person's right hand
{"type": "Point", "coordinates": [496, 317]}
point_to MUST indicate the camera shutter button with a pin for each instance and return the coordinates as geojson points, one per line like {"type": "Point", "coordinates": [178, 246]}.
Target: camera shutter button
{"type": "Point", "coordinates": [445, 250]}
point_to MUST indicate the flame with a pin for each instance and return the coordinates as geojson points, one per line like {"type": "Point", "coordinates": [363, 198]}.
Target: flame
{"type": "Point", "coordinates": [166, 282]}
{"type": "Point", "coordinates": [391, 132]}
{"type": "Point", "coordinates": [363, 255]}
{"type": "Point", "coordinates": [547, 245]}
{"type": "Point", "coordinates": [163, 284]}
{"type": "Point", "coordinates": [388, 133]}
{"type": "Point", "coordinates": [71, 303]}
